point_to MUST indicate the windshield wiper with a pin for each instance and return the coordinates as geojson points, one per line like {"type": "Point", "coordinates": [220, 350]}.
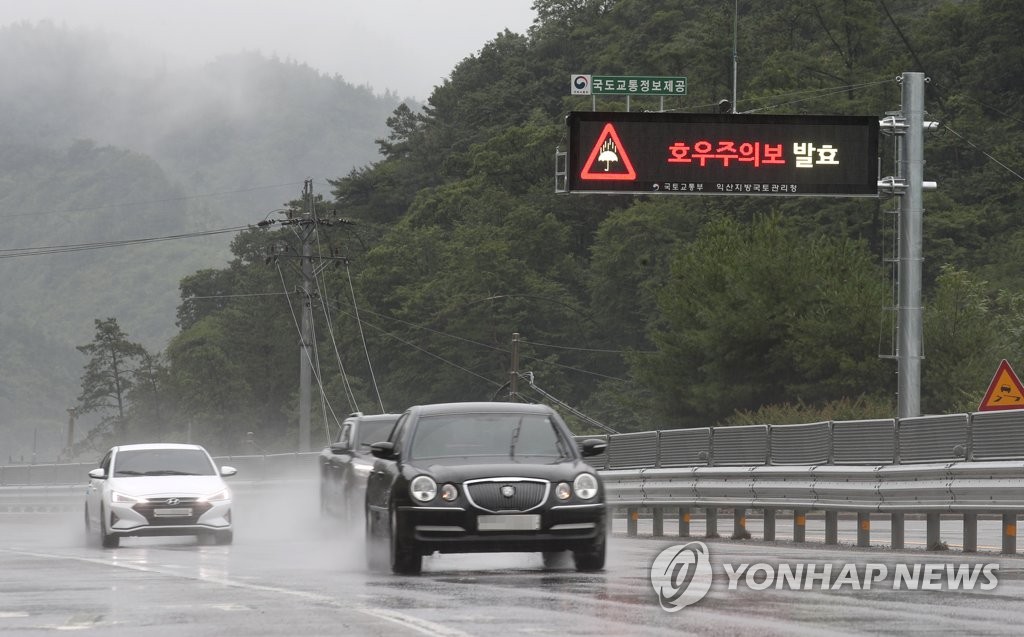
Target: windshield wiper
{"type": "Point", "coordinates": [515, 439]}
{"type": "Point", "coordinates": [169, 472]}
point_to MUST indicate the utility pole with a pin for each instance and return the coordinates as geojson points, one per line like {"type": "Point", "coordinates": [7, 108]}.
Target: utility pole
{"type": "Point", "coordinates": [306, 224]}
{"type": "Point", "coordinates": [306, 232]}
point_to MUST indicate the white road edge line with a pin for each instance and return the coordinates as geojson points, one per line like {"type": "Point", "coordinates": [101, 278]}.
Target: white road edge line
{"type": "Point", "coordinates": [423, 626]}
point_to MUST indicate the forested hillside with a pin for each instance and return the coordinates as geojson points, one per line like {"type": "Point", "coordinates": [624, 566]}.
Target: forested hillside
{"type": "Point", "coordinates": [100, 145]}
{"type": "Point", "coordinates": [644, 312]}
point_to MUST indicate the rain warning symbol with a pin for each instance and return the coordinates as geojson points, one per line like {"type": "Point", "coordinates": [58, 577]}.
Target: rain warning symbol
{"type": "Point", "coordinates": [608, 160]}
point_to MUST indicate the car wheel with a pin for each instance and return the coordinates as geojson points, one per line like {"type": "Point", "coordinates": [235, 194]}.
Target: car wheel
{"type": "Point", "coordinates": [591, 559]}
{"type": "Point", "coordinates": [108, 540]}
{"type": "Point", "coordinates": [224, 537]}
{"type": "Point", "coordinates": [376, 553]}
{"type": "Point", "coordinates": [405, 558]}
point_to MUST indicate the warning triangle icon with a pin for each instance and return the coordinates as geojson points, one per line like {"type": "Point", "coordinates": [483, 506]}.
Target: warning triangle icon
{"type": "Point", "coordinates": [1004, 392]}
{"type": "Point", "coordinates": [608, 160]}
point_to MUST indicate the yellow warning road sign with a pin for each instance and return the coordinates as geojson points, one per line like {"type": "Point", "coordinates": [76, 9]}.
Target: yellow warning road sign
{"type": "Point", "coordinates": [1004, 392]}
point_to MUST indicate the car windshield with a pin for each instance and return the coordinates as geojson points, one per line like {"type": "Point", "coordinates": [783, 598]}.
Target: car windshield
{"type": "Point", "coordinates": [487, 435]}
{"type": "Point", "coordinates": [371, 431]}
{"type": "Point", "coordinates": [162, 462]}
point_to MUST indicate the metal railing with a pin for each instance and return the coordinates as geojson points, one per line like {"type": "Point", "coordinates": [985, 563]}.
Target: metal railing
{"type": "Point", "coordinates": [959, 464]}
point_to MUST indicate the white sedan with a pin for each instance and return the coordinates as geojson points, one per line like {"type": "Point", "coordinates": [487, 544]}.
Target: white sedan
{"type": "Point", "coordinates": [158, 489]}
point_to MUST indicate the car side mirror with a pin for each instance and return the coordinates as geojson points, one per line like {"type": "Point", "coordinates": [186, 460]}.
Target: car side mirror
{"type": "Point", "coordinates": [228, 471]}
{"type": "Point", "coordinates": [98, 473]}
{"type": "Point", "coordinates": [383, 450]}
{"type": "Point", "coordinates": [593, 447]}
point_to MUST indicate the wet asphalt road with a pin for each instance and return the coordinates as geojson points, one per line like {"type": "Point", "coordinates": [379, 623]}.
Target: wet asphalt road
{"type": "Point", "coordinates": [291, 573]}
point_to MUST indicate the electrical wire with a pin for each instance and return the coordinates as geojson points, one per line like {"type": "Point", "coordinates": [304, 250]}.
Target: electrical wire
{"type": "Point", "coordinates": [975, 147]}
{"type": "Point", "coordinates": [10, 253]}
{"type": "Point", "coordinates": [312, 365]}
{"type": "Point", "coordinates": [813, 95]}
{"type": "Point", "coordinates": [362, 336]}
{"type": "Point", "coordinates": [395, 337]}
{"type": "Point", "coordinates": [346, 384]}
{"type": "Point", "coordinates": [596, 351]}
{"type": "Point", "coordinates": [136, 204]}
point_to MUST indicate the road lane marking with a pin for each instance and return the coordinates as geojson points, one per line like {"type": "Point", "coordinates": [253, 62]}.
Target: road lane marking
{"type": "Point", "coordinates": [424, 626]}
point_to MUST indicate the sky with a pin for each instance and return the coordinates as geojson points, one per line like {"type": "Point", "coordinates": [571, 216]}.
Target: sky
{"type": "Point", "coordinates": [406, 46]}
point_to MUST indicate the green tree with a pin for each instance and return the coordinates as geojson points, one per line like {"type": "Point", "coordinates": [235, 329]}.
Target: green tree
{"type": "Point", "coordinates": [109, 376]}
{"type": "Point", "coordinates": [760, 314]}
{"type": "Point", "coordinates": [968, 329]}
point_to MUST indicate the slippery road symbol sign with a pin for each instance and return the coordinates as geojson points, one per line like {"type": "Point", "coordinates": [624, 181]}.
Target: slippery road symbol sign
{"type": "Point", "coordinates": [608, 161]}
{"type": "Point", "coordinates": [1004, 392]}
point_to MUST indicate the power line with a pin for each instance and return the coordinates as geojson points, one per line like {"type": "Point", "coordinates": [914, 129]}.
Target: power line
{"type": "Point", "coordinates": [975, 147]}
{"type": "Point", "coordinates": [235, 296]}
{"type": "Point", "coordinates": [136, 204]}
{"type": "Point", "coordinates": [588, 349]}
{"type": "Point", "coordinates": [10, 253]}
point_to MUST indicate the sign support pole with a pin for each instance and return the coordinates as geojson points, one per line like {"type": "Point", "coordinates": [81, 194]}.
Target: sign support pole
{"type": "Point", "coordinates": [911, 167]}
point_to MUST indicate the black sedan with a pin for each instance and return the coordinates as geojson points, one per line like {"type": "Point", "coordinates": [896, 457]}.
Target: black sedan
{"type": "Point", "coordinates": [483, 477]}
{"type": "Point", "coordinates": [345, 464]}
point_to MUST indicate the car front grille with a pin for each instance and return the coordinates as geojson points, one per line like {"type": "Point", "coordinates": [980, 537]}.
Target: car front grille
{"type": "Point", "coordinates": [172, 511]}
{"type": "Point", "coordinates": [527, 494]}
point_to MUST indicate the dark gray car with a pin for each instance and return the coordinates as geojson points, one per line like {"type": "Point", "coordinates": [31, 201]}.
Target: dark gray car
{"type": "Point", "coordinates": [345, 464]}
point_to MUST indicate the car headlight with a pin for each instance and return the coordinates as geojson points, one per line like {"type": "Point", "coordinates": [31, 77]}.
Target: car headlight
{"type": "Point", "coordinates": [562, 491]}
{"type": "Point", "coordinates": [423, 488]}
{"type": "Point", "coordinates": [585, 486]}
{"type": "Point", "coordinates": [449, 492]}
{"type": "Point", "coordinates": [122, 498]}
{"type": "Point", "coordinates": [219, 496]}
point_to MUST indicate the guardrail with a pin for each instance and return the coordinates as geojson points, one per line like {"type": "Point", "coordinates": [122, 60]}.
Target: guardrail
{"type": "Point", "coordinates": [962, 464]}
{"type": "Point", "coordinates": [974, 437]}
{"type": "Point", "coordinates": [966, 489]}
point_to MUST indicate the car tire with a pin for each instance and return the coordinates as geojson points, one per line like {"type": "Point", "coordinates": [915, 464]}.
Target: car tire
{"type": "Point", "coordinates": [591, 559]}
{"type": "Point", "coordinates": [224, 537]}
{"type": "Point", "coordinates": [405, 556]}
{"type": "Point", "coordinates": [108, 540]}
{"type": "Point", "coordinates": [376, 553]}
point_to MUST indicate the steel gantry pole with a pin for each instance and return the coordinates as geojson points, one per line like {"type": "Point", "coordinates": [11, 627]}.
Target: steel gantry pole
{"type": "Point", "coordinates": [911, 333]}
{"type": "Point", "coordinates": [908, 126]}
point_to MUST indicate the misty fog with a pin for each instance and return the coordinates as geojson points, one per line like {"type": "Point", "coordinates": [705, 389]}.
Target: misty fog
{"type": "Point", "coordinates": [101, 142]}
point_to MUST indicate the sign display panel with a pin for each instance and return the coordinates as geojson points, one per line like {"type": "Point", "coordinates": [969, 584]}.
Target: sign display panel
{"type": "Point", "coordinates": [720, 154]}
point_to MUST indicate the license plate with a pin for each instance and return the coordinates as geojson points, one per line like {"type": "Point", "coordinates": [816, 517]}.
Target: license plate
{"type": "Point", "coordinates": [508, 522]}
{"type": "Point", "coordinates": [172, 513]}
